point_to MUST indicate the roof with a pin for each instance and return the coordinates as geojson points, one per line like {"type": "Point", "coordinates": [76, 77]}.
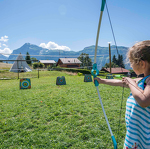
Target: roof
{"type": "Point", "coordinates": [70, 61]}
{"type": "Point", "coordinates": [47, 61]}
{"type": "Point", "coordinates": [116, 70]}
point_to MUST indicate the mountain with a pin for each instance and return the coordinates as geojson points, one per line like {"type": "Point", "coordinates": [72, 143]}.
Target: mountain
{"type": "Point", "coordinates": [27, 47]}
{"type": "Point", "coordinates": [2, 57]}
{"type": "Point", "coordinates": [102, 53]}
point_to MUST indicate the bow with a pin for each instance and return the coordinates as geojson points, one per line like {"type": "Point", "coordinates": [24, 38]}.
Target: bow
{"type": "Point", "coordinates": [95, 72]}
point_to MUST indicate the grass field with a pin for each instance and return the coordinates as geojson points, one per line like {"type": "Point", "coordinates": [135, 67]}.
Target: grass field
{"type": "Point", "coordinates": [48, 116]}
{"type": "Point", "coordinates": [5, 65]}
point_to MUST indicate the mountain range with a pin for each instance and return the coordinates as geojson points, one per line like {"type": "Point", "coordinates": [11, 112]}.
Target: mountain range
{"type": "Point", "coordinates": [46, 54]}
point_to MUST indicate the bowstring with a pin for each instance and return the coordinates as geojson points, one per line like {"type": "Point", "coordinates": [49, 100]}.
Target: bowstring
{"type": "Point", "coordinates": [121, 69]}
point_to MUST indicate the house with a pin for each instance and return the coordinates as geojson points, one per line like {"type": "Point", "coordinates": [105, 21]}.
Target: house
{"type": "Point", "coordinates": [118, 70]}
{"type": "Point", "coordinates": [68, 62]}
{"type": "Point", "coordinates": [47, 62]}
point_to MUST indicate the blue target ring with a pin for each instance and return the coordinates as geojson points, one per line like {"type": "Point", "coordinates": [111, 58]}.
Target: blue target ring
{"type": "Point", "coordinates": [60, 81]}
{"type": "Point", "coordinates": [25, 84]}
{"type": "Point", "coordinates": [87, 78]}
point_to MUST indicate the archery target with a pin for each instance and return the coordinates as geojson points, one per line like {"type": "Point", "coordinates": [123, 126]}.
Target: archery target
{"type": "Point", "coordinates": [109, 76]}
{"type": "Point", "coordinates": [87, 78]}
{"type": "Point", "coordinates": [61, 81]}
{"type": "Point", "coordinates": [25, 84]}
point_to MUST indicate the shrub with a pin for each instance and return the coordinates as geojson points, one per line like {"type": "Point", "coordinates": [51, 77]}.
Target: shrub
{"type": "Point", "coordinates": [41, 65]}
{"type": "Point", "coordinates": [80, 74]}
{"type": "Point", "coordinates": [83, 71]}
{"type": "Point", "coordinates": [36, 65]}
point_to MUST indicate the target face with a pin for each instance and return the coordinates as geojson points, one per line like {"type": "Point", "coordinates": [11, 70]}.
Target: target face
{"type": "Point", "coordinates": [25, 84]}
{"type": "Point", "coordinates": [61, 81]}
{"type": "Point", "coordinates": [87, 78]}
{"type": "Point", "coordinates": [109, 77]}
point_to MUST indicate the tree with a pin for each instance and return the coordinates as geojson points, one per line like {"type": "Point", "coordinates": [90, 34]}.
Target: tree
{"type": "Point", "coordinates": [34, 59]}
{"type": "Point", "coordinates": [120, 61]}
{"type": "Point", "coordinates": [116, 62]}
{"type": "Point", "coordinates": [28, 59]}
{"type": "Point", "coordinates": [86, 61]}
{"type": "Point", "coordinates": [113, 65]}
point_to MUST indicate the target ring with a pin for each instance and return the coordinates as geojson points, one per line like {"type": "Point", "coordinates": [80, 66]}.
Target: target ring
{"type": "Point", "coordinates": [60, 81]}
{"type": "Point", "coordinates": [87, 78]}
{"type": "Point", "coordinates": [25, 84]}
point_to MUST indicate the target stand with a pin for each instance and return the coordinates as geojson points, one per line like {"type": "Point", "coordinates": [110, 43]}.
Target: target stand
{"type": "Point", "coordinates": [25, 83]}
{"type": "Point", "coordinates": [60, 81]}
{"type": "Point", "coordinates": [109, 76]}
{"type": "Point", "coordinates": [87, 78]}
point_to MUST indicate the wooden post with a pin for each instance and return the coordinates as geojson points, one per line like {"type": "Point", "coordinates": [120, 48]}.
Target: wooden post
{"type": "Point", "coordinates": [110, 57]}
{"type": "Point", "coordinates": [38, 69]}
{"type": "Point", "coordinates": [18, 69]}
{"type": "Point", "coordinates": [38, 72]}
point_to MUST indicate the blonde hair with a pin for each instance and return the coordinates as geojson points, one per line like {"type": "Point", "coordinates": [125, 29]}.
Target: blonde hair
{"type": "Point", "coordinates": [140, 51]}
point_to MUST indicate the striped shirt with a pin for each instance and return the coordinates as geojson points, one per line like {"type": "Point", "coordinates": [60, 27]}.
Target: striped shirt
{"type": "Point", "coordinates": [137, 123]}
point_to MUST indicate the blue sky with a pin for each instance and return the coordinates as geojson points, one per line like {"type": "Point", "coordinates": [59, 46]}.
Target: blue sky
{"type": "Point", "coordinates": [71, 24]}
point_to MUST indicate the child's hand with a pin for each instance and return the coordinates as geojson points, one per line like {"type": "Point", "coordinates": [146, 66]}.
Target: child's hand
{"type": "Point", "coordinates": [127, 81]}
{"type": "Point", "coordinates": [98, 79]}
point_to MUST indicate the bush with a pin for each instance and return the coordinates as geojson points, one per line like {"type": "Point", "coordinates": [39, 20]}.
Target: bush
{"type": "Point", "coordinates": [36, 65]}
{"type": "Point", "coordinates": [83, 71]}
{"type": "Point", "coordinates": [80, 74]}
{"type": "Point", "coordinates": [50, 67]}
{"type": "Point", "coordinates": [41, 65]}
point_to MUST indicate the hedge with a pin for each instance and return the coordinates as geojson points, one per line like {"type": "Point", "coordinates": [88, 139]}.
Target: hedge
{"type": "Point", "coordinates": [84, 71]}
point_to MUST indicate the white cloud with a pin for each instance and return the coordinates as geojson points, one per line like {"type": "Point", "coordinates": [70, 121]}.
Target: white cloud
{"type": "Point", "coordinates": [4, 38]}
{"type": "Point", "coordinates": [5, 45]}
{"type": "Point", "coordinates": [5, 51]}
{"type": "Point", "coordinates": [54, 46]}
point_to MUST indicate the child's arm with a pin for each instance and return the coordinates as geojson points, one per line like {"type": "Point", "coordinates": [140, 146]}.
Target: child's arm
{"type": "Point", "coordinates": [141, 96]}
{"type": "Point", "coordinates": [112, 82]}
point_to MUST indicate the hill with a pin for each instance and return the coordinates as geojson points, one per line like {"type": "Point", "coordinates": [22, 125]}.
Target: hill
{"type": "Point", "coordinates": [45, 54]}
{"type": "Point", "coordinates": [2, 57]}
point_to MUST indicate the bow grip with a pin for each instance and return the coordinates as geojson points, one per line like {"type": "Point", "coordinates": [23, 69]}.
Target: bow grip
{"type": "Point", "coordinates": [94, 73]}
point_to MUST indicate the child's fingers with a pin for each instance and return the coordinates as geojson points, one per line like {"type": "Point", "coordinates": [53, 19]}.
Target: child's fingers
{"type": "Point", "coordinates": [124, 80]}
{"type": "Point", "coordinates": [95, 79]}
{"type": "Point", "coordinates": [98, 79]}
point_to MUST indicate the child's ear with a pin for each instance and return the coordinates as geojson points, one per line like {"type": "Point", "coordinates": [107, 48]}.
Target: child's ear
{"type": "Point", "coordinates": [142, 63]}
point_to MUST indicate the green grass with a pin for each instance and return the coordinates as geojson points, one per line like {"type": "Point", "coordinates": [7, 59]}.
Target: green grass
{"type": "Point", "coordinates": [59, 117]}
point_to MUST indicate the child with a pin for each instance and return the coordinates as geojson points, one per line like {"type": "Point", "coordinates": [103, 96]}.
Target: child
{"type": "Point", "coordinates": [138, 103]}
